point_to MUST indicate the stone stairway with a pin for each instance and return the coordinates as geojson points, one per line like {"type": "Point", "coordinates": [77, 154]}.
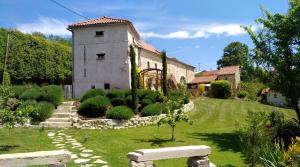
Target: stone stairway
{"type": "Point", "coordinates": [61, 118]}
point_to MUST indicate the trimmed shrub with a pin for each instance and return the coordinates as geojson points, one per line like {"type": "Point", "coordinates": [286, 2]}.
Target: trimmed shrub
{"type": "Point", "coordinates": [160, 97]}
{"type": "Point", "coordinates": [41, 111]}
{"type": "Point", "coordinates": [26, 103]}
{"type": "Point", "coordinates": [53, 94]}
{"type": "Point", "coordinates": [92, 93]}
{"type": "Point", "coordinates": [115, 93]}
{"type": "Point", "coordinates": [146, 102]}
{"type": "Point", "coordinates": [33, 93]}
{"type": "Point", "coordinates": [94, 106]}
{"type": "Point", "coordinates": [221, 89]}
{"type": "Point", "coordinates": [18, 90]}
{"type": "Point", "coordinates": [117, 101]}
{"type": "Point", "coordinates": [152, 110]}
{"type": "Point", "coordinates": [127, 92]}
{"type": "Point", "coordinates": [186, 99]}
{"type": "Point", "coordinates": [200, 90]}
{"type": "Point", "coordinates": [119, 112]}
{"type": "Point", "coordinates": [242, 94]}
{"type": "Point", "coordinates": [129, 101]}
{"type": "Point", "coordinates": [253, 88]}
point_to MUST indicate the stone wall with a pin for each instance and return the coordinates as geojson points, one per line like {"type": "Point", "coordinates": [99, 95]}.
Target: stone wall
{"type": "Point", "coordinates": [119, 124]}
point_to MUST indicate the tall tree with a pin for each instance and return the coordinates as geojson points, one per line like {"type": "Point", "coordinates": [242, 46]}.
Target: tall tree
{"type": "Point", "coordinates": [133, 79]}
{"type": "Point", "coordinates": [164, 72]}
{"type": "Point", "coordinates": [237, 53]}
{"type": "Point", "coordinates": [278, 45]}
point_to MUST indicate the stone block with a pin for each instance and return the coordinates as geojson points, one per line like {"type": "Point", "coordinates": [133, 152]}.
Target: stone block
{"type": "Point", "coordinates": [141, 164]}
{"type": "Point", "coordinates": [198, 162]}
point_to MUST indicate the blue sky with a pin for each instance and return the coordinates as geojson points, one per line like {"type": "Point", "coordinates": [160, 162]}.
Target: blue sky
{"type": "Point", "coordinates": [194, 31]}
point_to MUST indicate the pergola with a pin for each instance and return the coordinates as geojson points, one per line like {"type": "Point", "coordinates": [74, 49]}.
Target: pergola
{"type": "Point", "coordinates": [150, 73]}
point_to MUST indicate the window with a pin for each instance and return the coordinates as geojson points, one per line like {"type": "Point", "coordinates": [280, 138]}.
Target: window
{"type": "Point", "coordinates": [93, 87]}
{"type": "Point", "coordinates": [84, 54]}
{"type": "Point", "coordinates": [99, 33]}
{"type": "Point", "coordinates": [84, 72]}
{"type": "Point", "coordinates": [275, 95]}
{"type": "Point", "coordinates": [155, 65]}
{"type": "Point", "coordinates": [106, 86]}
{"type": "Point", "coordinates": [148, 63]}
{"type": "Point", "coordinates": [101, 56]}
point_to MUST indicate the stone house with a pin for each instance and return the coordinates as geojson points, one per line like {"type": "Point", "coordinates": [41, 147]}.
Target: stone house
{"type": "Point", "coordinates": [272, 97]}
{"type": "Point", "coordinates": [229, 73]}
{"type": "Point", "coordinates": [100, 53]}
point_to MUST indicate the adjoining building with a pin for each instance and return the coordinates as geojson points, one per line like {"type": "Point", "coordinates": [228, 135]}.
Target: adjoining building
{"type": "Point", "coordinates": [101, 57]}
{"type": "Point", "coordinates": [229, 73]}
{"type": "Point", "coordinates": [272, 97]}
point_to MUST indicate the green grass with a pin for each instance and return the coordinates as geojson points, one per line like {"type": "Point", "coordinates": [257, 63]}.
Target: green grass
{"type": "Point", "coordinates": [214, 125]}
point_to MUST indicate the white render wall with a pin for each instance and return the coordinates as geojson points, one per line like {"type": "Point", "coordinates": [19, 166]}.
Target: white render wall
{"type": "Point", "coordinates": [114, 69]}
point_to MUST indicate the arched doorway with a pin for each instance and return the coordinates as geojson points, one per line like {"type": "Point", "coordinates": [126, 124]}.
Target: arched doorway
{"type": "Point", "coordinates": [150, 78]}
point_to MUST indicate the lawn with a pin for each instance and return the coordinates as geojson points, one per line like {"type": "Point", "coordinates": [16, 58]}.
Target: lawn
{"type": "Point", "coordinates": [214, 125]}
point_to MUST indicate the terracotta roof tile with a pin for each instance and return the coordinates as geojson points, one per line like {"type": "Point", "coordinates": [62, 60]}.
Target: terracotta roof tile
{"type": "Point", "coordinates": [209, 73]}
{"type": "Point", "coordinates": [203, 79]}
{"type": "Point", "coordinates": [228, 70]}
{"type": "Point", "coordinates": [101, 20]}
{"type": "Point", "coordinates": [146, 46]}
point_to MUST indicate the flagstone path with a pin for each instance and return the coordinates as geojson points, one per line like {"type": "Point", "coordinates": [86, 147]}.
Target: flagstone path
{"type": "Point", "coordinates": [79, 154]}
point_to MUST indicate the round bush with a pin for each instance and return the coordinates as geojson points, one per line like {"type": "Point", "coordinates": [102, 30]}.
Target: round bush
{"type": "Point", "coordinates": [242, 94]}
{"type": "Point", "coordinates": [92, 93]}
{"type": "Point", "coordinates": [221, 89]}
{"type": "Point", "coordinates": [119, 112]}
{"type": "Point", "coordinates": [33, 93]}
{"type": "Point", "coordinates": [186, 99]}
{"type": "Point", "coordinates": [41, 111]}
{"type": "Point", "coordinates": [53, 94]}
{"type": "Point", "coordinates": [26, 103]}
{"type": "Point", "coordinates": [117, 101]}
{"type": "Point", "coordinates": [94, 106]}
{"type": "Point", "coordinates": [146, 102]}
{"type": "Point", "coordinates": [129, 101]}
{"type": "Point", "coordinates": [127, 92]}
{"type": "Point", "coordinates": [152, 109]}
{"type": "Point", "coordinates": [115, 93]}
{"type": "Point", "coordinates": [18, 90]}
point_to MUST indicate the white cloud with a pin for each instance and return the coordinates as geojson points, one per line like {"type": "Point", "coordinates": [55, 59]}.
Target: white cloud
{"type": "Point", "coordinates": [200, 32]}
{"type": "Point", "coordinates": [46, 25]}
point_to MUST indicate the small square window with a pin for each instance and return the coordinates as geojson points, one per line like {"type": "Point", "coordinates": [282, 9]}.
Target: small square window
{"type": "Point", "coordinates": [99, 33]}
{"type": "Point", "coordinates": [106, 86]}
{"type": "Point", "coordinates": [84, 72]}
{"type": "Point", "coordinates": [148, 63]}
{"type": "Point", "coordinates": [93, 87]}
{"type": "Point", "coordinates": [155, 65]}
{"type": "Point", "coordinates": [101, 56]}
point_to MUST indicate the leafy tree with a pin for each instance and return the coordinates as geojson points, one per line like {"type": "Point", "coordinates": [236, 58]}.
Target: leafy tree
{"type": "Point", "coordinates": [278, 49]}
{"type": "Point", "coordinates": [237, 53]}
{"type": "Point", "coordinates": [133, 79]}
{"type": "Point", "coordinates": [164, 73]}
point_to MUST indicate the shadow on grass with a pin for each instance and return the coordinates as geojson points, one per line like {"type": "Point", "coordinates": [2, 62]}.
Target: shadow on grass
{"type": "Point", "coordinates": [156, 141]}
{"type": "Point", "coordinates": [7, 147]}
{"type": "Point", "coordinates": [224, 141]}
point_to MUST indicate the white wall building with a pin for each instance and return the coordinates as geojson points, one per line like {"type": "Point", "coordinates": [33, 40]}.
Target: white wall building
{"type": "Point", "coordinates": [101, 55]}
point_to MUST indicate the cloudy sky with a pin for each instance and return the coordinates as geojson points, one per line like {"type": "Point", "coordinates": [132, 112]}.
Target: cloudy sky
{"type": "Point", "coordinates": [194, 31]}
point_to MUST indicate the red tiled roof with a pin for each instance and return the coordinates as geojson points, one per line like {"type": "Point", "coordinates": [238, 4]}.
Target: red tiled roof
{"type": "Point", "coordinates": [265, 91]}
{"type": "Point", "coordinates": [203, 79]}
{"type": "Point", "coordinates": [146, 46]}
{"type": "Point", "coordinates": [228, 70]}
{"type": "Point", "coordinates": [101, 20]}
{"type": "Point", "coordinates": [209, 73]}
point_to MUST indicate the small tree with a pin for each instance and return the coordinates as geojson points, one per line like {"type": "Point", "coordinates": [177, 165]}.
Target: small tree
{"type": "Point", "coordinates": [164, 73]}
{"type": "Point", "coordinates": [133, 79]}
{"type": "Point", "coordinates": [221, 89]}
{"type": "Point", "coordinates": [173, 116]}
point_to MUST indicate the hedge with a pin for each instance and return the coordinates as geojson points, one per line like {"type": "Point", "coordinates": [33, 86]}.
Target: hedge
{"type": "Point", "coordinates": [41, 111]}
{"type": "Point", "coordinates": [18, 90]}
{"type": "Point", "coordinates": [221, 89]}
{"type": "Point", "coordinates": [92, 93]}
{"type": "Point", "coordinates": [129, 101]}
{"type": "Point", "coordinates": [33, 93]}
{"type": "Point", "coordinates": [119, 112]}
{"type": "Point", "coordinates": [94, 106]}
{"type": "Point", "coordinates": [115, 93]}
{"type": "Point", "coordinates": [146, 102]}
{"type": "Point", "coordinates": [117, 101]}
{"type": "Point", "coordinates": [152, 110]}
{"type": "Point", "coordinates": [253, 89]}
{"type": "Point", "coordinates": [53, 94]}
{"type": "Point", "coordinates": [242, 94]}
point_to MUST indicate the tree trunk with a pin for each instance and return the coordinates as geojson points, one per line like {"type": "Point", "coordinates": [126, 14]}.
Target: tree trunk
{"type": "Point", "coordinates": [173, 133]}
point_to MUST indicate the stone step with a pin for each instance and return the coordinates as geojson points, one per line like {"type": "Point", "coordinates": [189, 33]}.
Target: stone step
{"type": "Point", "coordinates": [60, 115]}
{"type": "Point", "coordinates": [58, 120]}
{"type": "Point", "coordinates": [56, 124]}
{"type": "Point", "coordinates": [62, 110]}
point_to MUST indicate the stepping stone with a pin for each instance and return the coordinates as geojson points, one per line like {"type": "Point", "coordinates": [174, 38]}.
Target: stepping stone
{"type": "Point", "coordinates": [76, 147]}
{"type": "Point", "coordinates": [58, 145]}
{"type": "Point", "coordinates": [82, 148]}
{"type": "Point", "coordinates": [99, 161]}
{"type": "Point", "coordinates": [105, 166]}
{"type": "Point", "coordinates": [56, 142]}
{"type": "Point", "coordinates": [87, 151]}
{"type": "Point", "coordinates": [80, 161]}
{"type": "Point", "coordinates": [51, 134]}
{"type": "Point", "coordinates": [96, 157]}
{"type": "Point", "coordinates": [74, 156]}
{"type": "Point", "coordinates": [76, 144]}
{"type": "Point", "coordinates": [61, 147]}
{"type": "Point", "coordinates": [85, 155]}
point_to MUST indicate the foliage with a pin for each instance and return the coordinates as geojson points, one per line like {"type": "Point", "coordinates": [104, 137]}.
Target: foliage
{"type": "Point", "coordinates": [94, 106]}
{"type": "Point", "coordinates": [5, 93]}
{"type": "Point", "coordinates": [292, 156]}
{"type": "Point", "coordinates": [119, 112]}
{"type": "Point", "coordinates": [152, 110]}
{"type": "Point", "coordinates": [134, 78]}
{"type": "Point", "coordinates": [173, 117]}
{"type": "Point", "coordinates": [164, 73]}
{"type": "Point", "coordinates": [40, 111]}
{"type": "Point", "coordinates": [11, 118]}
{"type": "Point", "coordinates": [19, 89]}
{"type": "Point", "coordinates": [221, 89]}
{"type": "Point", "coordinates": [6, 79]}
{"type": "Point", "coordinates": [146, 102]}
{"type": "Point", "coordinates": [92, 93]}
{"type": "Point", "coordinates": [200, 90]}
{"type": "Point", "coordinates": [115, 93]}
{"type": "Point", "coordinates": [242, 94]}
{"type": "Point", "coordinates": [277, 49]}
{"type": "Point", "coordinates": [53, 94]}
{"type": "Point", "coordinates": [253, 137]}
{"type": "Point", "coordinates": [273, 156]}
{"type": "Point", "coordinates": [128, 100]}
{"type": "Point", "coordinates": [117, 101]}
{"type": "Point", "coordinates": [33, 93]}
{"type": "Point", "coordinates": [253, 89]}
{"type": "Point", "coordinates": [34, 59]}
{"type": "Point", "coordinates": [12, 104]}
